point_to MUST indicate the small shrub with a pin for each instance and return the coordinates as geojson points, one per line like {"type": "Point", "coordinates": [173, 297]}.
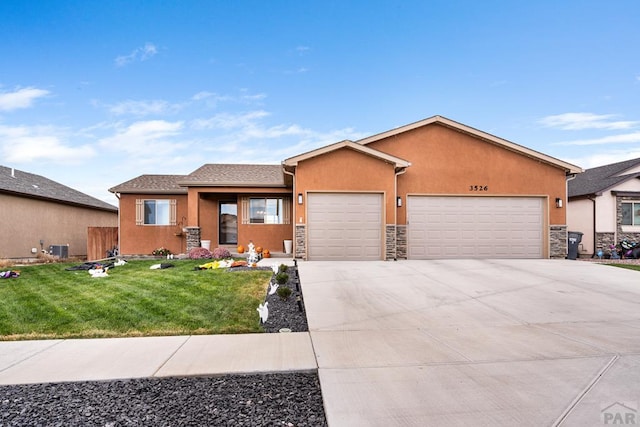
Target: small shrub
{"type": "Point", "coordinates": [221, 253]}
{"type": "Point", "coordinates": [200, 253]}
{"type": "Point", "coordinates": [282, 268]}
{"type": "Point", "coordinates": [282, 278]}
{"type": "Point", "coordinates": [283, 292]}
{"type": "Point", "coordinates": [161, 252]}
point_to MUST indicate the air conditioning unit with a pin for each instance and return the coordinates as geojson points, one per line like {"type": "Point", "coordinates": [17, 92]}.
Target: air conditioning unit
{"type": "Point", "coordinates": [61, 251]}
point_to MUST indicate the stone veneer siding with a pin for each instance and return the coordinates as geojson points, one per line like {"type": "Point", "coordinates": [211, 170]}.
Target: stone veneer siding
{"type": "Point", "coordinates": [193, 238]}
{"type": "Point", "coordinates": [301, 244]}
{"type": "Point", "coordinates": [558, 245]}
{"type": "Point", "coordinates": [401, 242]}
{"type": "Point", "coordinates": [390, 240]}
{"type": "Point", "coordinates": [604, 242]}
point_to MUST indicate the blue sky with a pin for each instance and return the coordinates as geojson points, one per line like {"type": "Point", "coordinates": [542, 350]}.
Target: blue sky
{"type": "Point", "coordinates": [94, 93]}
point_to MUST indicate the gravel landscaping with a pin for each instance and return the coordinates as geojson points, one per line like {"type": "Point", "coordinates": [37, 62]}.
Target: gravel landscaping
{"type": "Point", "coordinates": [278, 399]}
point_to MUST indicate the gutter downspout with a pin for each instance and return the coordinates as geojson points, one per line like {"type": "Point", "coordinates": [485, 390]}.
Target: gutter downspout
{"type": "Point", "coordinates": [119, 227]}
{"type": "Point", "coordinates": [593, 201]}
{"type": "Point", "coordinates": [294, 202]}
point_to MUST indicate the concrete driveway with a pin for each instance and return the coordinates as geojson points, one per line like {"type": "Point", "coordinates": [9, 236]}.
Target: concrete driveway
{"type": "Point", "coordinates": [475, 342]}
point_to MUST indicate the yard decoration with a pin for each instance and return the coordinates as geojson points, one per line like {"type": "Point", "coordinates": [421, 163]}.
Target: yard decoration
{"type": "Point", "coordinates": [240, 249]}
{"type": "Point", "coordinates": [9, 274]}
{"type": "Point", "coordinates": [273, 288]}
{"type": "Point", "coordinates": [259, 249]}
{"type": "Point", "coordinates": [263, 310]}
{"type": "Point", "coordinates": [162, 251]}
{"type": "Point", "coordinates": [252, 256]}
{"type": "Point", "coordinates": [266, 253]}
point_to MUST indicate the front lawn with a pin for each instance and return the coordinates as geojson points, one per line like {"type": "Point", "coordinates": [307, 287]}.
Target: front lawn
{"type": "Point", "coordinates": [47, 301]}
{"type": "Point", "coordinates": [628, 266]}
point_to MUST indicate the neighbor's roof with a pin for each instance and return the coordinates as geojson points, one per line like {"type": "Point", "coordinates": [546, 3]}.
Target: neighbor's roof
{"type": "Point", "coordinates": [568, 167]}
{"type": "Point", "coordinates": [151, 184]}
{"type": "Point", "coordinates": [594, 181]}
{"type": "Point", "coordinates": [236, 175]}
{"type": "Point", "coordinates": [20, 183]}
{"type": "Point", "coordinates": [396, 161]}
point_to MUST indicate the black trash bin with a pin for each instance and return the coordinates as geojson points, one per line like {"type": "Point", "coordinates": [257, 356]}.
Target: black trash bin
{"type": "Point", "coordinates": [574, 239]}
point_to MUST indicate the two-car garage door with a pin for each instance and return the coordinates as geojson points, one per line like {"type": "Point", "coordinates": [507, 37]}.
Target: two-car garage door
{"type": "Point", "coordinates": [475, 227]}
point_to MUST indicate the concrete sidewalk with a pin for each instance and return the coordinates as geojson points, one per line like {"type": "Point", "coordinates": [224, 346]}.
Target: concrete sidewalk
{"type": "Point", "coordinates": [24, 362]}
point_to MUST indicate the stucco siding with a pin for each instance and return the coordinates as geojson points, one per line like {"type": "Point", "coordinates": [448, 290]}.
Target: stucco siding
{"type": "Point", "coordinates": [27, 221]}
{"type": "Point", "coordinates": [143, 239]}
{"type": "Point", "coordinates": [445, 161]}
{"type": "Point", "coordinates": [580, 218]}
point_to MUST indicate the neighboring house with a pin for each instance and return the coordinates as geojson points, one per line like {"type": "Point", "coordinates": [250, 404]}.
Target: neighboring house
{"type": "Point", "coordinates": [39, 212]}
{"type": "Point", "coordinates": [431, 189]}
{"type": "Point", "coordinates": [604, 205]}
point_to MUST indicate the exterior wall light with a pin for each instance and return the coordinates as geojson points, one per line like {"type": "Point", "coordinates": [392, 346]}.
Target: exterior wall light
{"type": "Point", "coordinates": [558, 202]}
{"type": "Point", "coordinates": [399, 201]}
{"type": "Point", "coordinates": [299, 198]}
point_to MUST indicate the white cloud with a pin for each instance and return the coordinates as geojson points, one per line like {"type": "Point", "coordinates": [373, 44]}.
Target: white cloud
{"type": "Point", "coordinates": [20, 98]}
{"type": "Point", "coordinates": [21, 144]}
{"type": "Point", "coordinates": [145, 139]}
{"type": "Point", "coordinates": [229, 121]}
{"type": "Point", "coordinates": [581, 121]}
{"type": "Point", "coordinates": [144, 108]}
{"type": "Point", "coordinates": [628, 138]}
{"type": "Point", "coordinates": [601, 159]}
{"type": "Point", "coordinates": [139, 54]}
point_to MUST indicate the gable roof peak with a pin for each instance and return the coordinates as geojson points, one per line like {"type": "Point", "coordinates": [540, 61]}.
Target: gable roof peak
{"type": "Point", "coordinates": [441, 120]}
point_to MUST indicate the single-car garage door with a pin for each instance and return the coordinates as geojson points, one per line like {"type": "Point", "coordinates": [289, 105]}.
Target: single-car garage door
{"type": "Point", "coordinates": [344, 226]}
{"type": "Point", "coordinates": [475, 227]}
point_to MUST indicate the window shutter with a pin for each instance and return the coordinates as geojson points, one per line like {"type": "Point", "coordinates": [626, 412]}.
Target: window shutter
{"type": "Point", "coordinates": [172, 212]}
{"type": "Point", "coordinates": [245, 210]}
{"type": "Point", "coordinates": [286, 207]}
{"type": "Point", "coordinates": [139, 212]}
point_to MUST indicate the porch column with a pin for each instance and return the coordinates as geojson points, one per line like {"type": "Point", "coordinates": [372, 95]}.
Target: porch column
{"type": "Point", "coordinates": [193, 238]}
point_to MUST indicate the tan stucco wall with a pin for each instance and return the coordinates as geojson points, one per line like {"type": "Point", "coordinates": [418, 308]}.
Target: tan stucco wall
{"type": "Point", "coordinates": [446, 161]}
{"type": "Point", "coordinates": [143, 239]}
{"type": "Point", "coordinates": [346, 170]}
{"type": "Point", "coordinates": [580, 218]}
{"type": "Point", "coordinates": [26, 221]}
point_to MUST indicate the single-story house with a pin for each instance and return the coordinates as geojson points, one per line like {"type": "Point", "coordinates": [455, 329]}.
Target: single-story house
{"type": "Point", "coordinates": [431, 189]}
{"type": "Point", "coordinates": [39, 212]}
{"type": "Point", "coordinates": [604, 205]}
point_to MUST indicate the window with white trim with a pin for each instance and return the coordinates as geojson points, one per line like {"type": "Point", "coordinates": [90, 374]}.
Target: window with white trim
{"type": "Point", "coordinates": [266, 210]}
{"type": "Point", "coordinates": [155, 212]}
{"type": "Point", "coordinates": [631, 213]}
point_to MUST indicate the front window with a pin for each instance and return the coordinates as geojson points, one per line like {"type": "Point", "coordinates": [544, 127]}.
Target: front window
{"type": "Point", "coordinates": [155, 212]}
{"type": "Point", "coordinates": [266, 211]}
{"type": "Point", "coordinates": [631, 213]}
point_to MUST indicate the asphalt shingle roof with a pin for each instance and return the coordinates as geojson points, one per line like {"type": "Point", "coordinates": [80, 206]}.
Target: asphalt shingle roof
{"type": "Point", "coordinates": [151, 184]}
{"type": "Point", "coordinates": [596, 180]}
{"type": "Point", "coordinates": [237, 175]}
{"type": "Point", "coordinates": [27, 184]}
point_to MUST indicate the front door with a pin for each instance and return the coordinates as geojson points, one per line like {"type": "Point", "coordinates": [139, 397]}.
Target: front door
{"type": "Point", "coordinates": [228, 223]}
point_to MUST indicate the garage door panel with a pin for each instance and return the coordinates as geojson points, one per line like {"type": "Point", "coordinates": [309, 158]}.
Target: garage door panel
{"type": "Point", "coordinates": [475, 227]}
{"type": "Point", "coordinates": [344, 226]}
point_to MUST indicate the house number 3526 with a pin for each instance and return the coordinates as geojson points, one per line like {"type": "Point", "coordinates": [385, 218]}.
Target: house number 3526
{"type": "Point", "coordinates": [478, 188]}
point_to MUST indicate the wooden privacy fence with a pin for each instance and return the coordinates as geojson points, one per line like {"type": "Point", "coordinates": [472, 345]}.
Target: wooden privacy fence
{"type": "Point", "coordinates": [100, 240]}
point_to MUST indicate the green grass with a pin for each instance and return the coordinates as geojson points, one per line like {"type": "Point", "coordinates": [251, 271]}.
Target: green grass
{"type": "Point", "coordinates": [628, 266]}
{"type": "Point", "coordinates": [48, 302]}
